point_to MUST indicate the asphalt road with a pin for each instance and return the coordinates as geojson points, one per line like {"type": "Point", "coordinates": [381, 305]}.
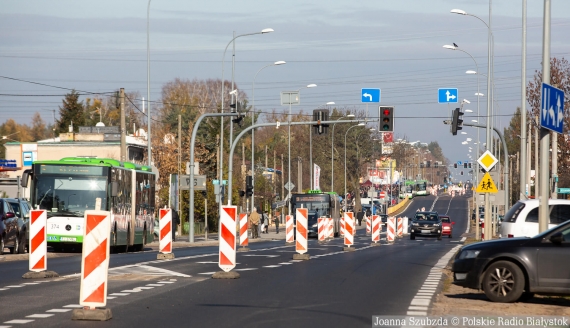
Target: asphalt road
{"type": "Point", "coordinates": [333, 288]}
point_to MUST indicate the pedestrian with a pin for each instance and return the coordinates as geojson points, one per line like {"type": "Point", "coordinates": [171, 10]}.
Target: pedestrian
{"type": "Point", "coordinates": [262, 222]}
{"type": "Point", "coordinates": [276, 220]}
{"type": "Point", "coordinates": [267, 222]}
{"type": "Point", "coordinates": [254, 221]}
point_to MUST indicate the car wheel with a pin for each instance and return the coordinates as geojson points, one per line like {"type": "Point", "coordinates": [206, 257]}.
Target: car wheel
{"type": "Point", "coordinates": [126, 249]}
{"type": "Point", "coordinates": [412, 236]}
{"type": "Point", "coordinates": [2, 245]}
{"type": "Point", "coordinates": [21, 243]}
{"type": "Point", "coordinates": [503, 282]}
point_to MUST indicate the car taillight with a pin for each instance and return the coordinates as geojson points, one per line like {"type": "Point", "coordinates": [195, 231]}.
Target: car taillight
{"type": "Point", "coordinates": [510, 236]}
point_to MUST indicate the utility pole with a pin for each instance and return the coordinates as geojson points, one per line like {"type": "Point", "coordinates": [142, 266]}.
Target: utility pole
{"type": "Point", "coordinates": [179, 163]}
{"type": "Point", "coordinates": [543, 208]}
{"type": "Point", "coordinates": [299, 174]}
{"type": "Point", "coordinates": [123, 127]}
{"type": "Point", "coordinates": [282, 180]}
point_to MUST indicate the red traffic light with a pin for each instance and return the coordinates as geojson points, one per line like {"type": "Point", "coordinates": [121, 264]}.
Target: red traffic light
{"type": "Point", "coordinates": [386, 112]}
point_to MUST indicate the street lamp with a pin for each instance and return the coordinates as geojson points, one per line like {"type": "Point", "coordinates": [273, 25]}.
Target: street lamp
{"type": "Point", "coordinates": [277, 63]}
{"type": "Point", "coordinates": [359, 124]}
{"type": "Point", "coordinates": [332, 151]}
{"type": "Point", "coordinates": [221, 161]}
{"type": "Point", "coordinates": [149, 153]}
{"type": "Point", "coordinates": [289, 146]}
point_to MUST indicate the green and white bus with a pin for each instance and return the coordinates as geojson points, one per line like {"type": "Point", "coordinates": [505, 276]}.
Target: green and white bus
{"type": "Point", "coordinates": [68, 187]}
{"type": "Point", "coordinates": [408, 190]}
{"type": "Point", "coordinates": [421, 188]}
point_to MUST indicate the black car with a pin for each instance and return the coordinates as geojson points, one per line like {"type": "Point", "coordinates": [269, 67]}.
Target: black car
{"type": "Point", "coordinates": [14, 224]}
{"type": "Point", "coordinates": [426, 224]}
{"type": "Point", "coordinates": [513, 269]}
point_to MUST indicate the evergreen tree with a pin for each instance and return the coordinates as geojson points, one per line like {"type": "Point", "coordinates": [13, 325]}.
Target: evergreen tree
{"type": "Point", "coordinates": [71, 111]}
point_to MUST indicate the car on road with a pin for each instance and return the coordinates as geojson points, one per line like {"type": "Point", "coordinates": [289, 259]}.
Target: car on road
{"type": "Point", "coordinates": [513, 269]}
{"type": "Point", "coordinates": [14, 224]}
{"type": "Point", "coordinates": [521, 220]}
{"type": "Point", "coordinates": [446, 226]}
{"type": "Point", "coordinates": [426, 224]}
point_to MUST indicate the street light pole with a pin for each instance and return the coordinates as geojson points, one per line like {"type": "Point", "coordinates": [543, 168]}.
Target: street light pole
{"type": "Point", "coordinates": [280, 62]}
{"type": "Point", "coordinates": [332, 151]}
{"type": "Point", "coordinates": [311, 150]}
{"type": "Point", "coordinates": [359, 124]}
{"type": "Point", "coordinates": [221, 168]}
{"type": "Point", "coordinates": [149, 153]}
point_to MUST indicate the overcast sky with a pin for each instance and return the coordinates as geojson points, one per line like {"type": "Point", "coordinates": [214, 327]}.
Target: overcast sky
{"type": "Point", "coordinates": [342, 46]}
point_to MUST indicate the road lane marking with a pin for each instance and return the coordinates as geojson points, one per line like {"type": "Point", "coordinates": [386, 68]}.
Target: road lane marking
{"type": "Point", "coordinates": [119, 294]}
{"type": "Point", "coordinates": [245, 269]}
{"type": "Point", "coordinates": [271, 266]}
{"type": "Point", "coordinates": [59, 310]}
{"type": "Point", "coordinates": [155, 285]}
{"type": "Point", "coordinates": [18, 321]}
{"type": "Point", "coordinates": [75, 306]}
{"type": "Point", "coordinates": [39, 316]}
{"type": "Point", "coordinates": [207, 273]}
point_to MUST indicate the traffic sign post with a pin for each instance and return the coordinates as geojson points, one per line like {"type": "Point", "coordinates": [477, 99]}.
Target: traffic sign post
{"type": "Point", "coordinates": [199, 182]}
{"type": "Point", "coordinates": [447, 95]}
{"type": "Point", "coordinates": [552, 108]}
{"type": "Point", "coordinates": [370, 95]}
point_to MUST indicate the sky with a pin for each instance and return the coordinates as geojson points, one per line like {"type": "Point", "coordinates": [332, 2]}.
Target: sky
{"type": "Point", "coordinates": [50, 47]}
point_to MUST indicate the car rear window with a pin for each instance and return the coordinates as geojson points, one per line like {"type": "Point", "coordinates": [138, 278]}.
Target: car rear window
{"type": "Point", "coordinates": [514, 212]}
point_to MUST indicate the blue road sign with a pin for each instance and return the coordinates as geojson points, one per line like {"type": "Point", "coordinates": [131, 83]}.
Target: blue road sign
{"type": "Point", "coordinates": [459, 163]}
{"type": "Point", "coordinates": [370, 95]}
{"type": "Point", "coordinates": [552, 108]}
{"type": "Point", "coordinates": [447, 95]}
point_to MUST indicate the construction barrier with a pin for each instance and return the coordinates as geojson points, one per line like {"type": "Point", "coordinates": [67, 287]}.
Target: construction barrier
{"type": "Point", "coordinates": [376, 220]}
{"type": "Point", "coordinates": [368, 225]}
{"type": "Point", "coordinates": [289, 229]}
{"type": "Point", "coordinates": [37, 241]}
{"type": "Point", "coordinates": [349, 228]}
{"type": "Point", "coordinates": [95, 259]}
{"type": "Point", "coordinates": [227, 258]}
{"type": "Point", "coordinates": [302, 216]}
{"type": "Point", "coordinates": [391, 229]}
{"type": "Point", "coordinates": [165, 227]}
{"type": "Point", "coordinates": [330, 224]}
{"type": "Point", "coordinates": [400, 227]}
{"type": "Point", "coordinates": [342, 225]}
{"type": "Point", "coordinates": [405, 223]}
{"type": "Point", "coordinates": [393, 209]}
{"type": "Point", "coordinates": [243, 230]}
{"type": "Point", "coordinates": [323, 229]}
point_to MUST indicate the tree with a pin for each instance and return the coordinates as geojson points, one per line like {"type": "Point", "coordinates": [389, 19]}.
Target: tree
{"type": "Point", "coordinates": [39, 130]}
{"type": "Point", "coordinates": [71, 111]}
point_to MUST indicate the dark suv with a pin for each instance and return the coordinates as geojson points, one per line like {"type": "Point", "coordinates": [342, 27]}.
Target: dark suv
{"type": "Point", "coordinates": [426, 224]}
{"type": "Point", "coordinates": [14, 224]}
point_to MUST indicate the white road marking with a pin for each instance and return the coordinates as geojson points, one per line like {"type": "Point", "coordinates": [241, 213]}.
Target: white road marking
{"type": "Point", "coordinates": [39, 316]}
{"type": "Point", "coordinates": [60, 310]}
{"type": "Point", "coordinates": [145, 287]}
{"type": "Point", "coordinates": [416, 313]}
{"type": "Point", "coordinates": [18, 321]}
{"type": "Point", "coordinates": [271, 266]}
{"type": "Point", "coordinates": [155, 285]}
{"type": "Point", "coordinates": [269, 256]}
{"type": "Point", "coordinates": [207, 273]}
{"type": "Point", "coordinates": [416, 308]}
{"type": "Point", "coordinates": [76, 306]}
{"type": "Point", "coordinates": [165, 282]}
{"type": "Point", "coordinates": [119, 294]}
{"type": "Point", "coordinates": [245, 269]}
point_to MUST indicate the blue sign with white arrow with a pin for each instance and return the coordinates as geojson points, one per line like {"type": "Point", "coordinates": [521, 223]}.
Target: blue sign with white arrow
{"type": "Point", "coordinates": [370, 95]}
{"type": "Point", "coordinates": [552, 108]}
{"type": "Point", "coordinates": [447, 95]}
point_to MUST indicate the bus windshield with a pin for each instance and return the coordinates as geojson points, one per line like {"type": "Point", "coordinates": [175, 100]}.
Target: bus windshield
{"type": "Point", "coordinates": [70, 195]}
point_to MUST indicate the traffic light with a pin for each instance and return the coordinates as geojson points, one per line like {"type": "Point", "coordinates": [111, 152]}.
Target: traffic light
{"type": "Point", "coordinates": [241, 193]}
{"type": "Point", "coordinates": [461, 172]}
{"type": "Point", "coordinates": [457, 121]}
{"type": "Point", "coordinates": [248, 185]}
{"type": "Point", "coordinates": [454, 165]}
{"type": "Point", "coordinates": [464, 165]}
{"type": "Point", "coordinates": [386, 118]}
{"type": "Point", "coordinates": [320, 115]}
{"type": "Point", "coordinates": [469, 165]}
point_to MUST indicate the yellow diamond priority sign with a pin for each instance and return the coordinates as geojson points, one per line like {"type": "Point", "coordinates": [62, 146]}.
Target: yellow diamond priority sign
{"type": "Point", "coordinates": [487, 160]}
{"type": "Point", "coordinates": [487, 185]}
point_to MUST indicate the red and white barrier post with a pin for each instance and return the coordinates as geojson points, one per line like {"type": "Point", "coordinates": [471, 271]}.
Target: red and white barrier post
{"type": "Point", "coordinates": [38, 247]}
{"type": "Point", "coordinates": [349, 226]}
{"type": "Point", "coordinates": [94, 267]}
{"type": "Point", "coordinates": [301, 244]}
{"type": "Point", "coordinates": [243, 231]}
{"type": "Point", "coordinates": [391, 229]}
{"type": "Point", "coordinates": [322, 229]}
{"type": "Point", "coordinates": [289, 238]}
{"type": "Point", "coordinates": [376, 230]}
{"type": "Point", "coordinates": [400, 229]}
{"type": "Point", "coordinates": [330, 233]}
{"type": "Point", "coordinates": [342, 225]}
{"type": "Point", "coordinates": [368, 225]}
{"type": "Point", "coordinates": [38, 243]}
{"type": "Point", "coordinates": [165, 228]}
{"type": "Point", "coordinates": [227, 253]}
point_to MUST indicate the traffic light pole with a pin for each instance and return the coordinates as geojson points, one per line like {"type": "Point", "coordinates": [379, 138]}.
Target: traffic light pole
{"type": "Point", "coordinates": [244, 131]}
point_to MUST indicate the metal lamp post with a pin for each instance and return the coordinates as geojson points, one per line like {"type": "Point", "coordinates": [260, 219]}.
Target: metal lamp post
{"type": "Point", "coordinates": [149, 153]}
{"type": "Point", "coordinates": [359, 124]}
{"type": "Point", "coordinates": [277, 63]}
{"type": "Point", "coordinates": [221, 161]}
{"type": "Point", "coordinates": [311, 148]}
{"type": "Point", "coordinates": [332, 151]}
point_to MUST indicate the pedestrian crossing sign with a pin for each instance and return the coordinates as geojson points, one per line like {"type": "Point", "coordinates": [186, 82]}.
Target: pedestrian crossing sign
{"type": "Point", "coordinates": [487, 185]}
